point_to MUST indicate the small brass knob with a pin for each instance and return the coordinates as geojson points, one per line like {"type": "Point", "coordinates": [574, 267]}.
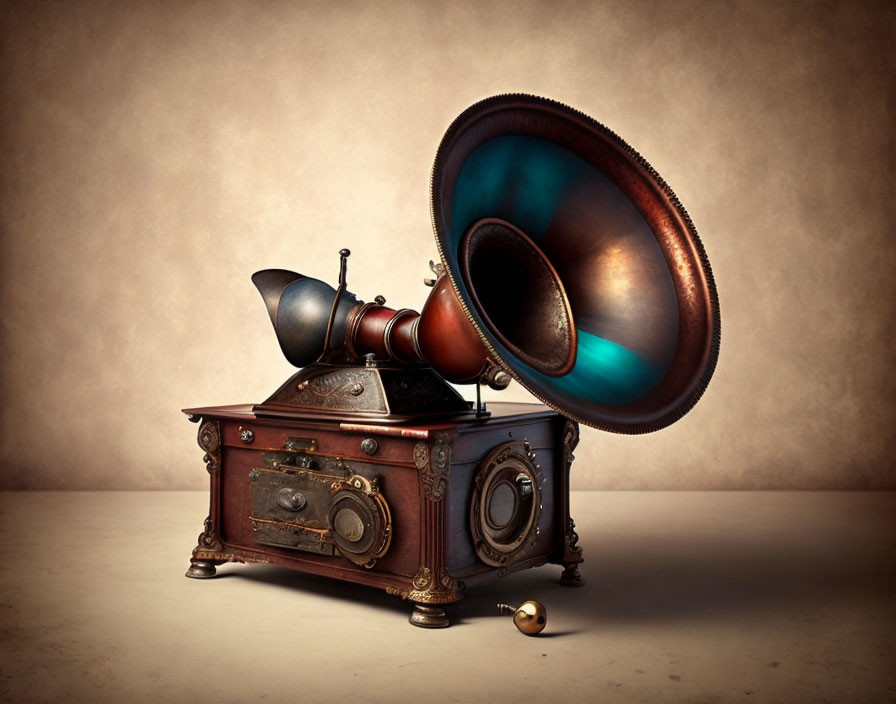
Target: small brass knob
{"type": "Point", "coordinates": [530, 617]}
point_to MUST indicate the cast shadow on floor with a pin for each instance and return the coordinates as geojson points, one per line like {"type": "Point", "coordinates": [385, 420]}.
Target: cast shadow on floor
{"type": "Point", "coordinates": [633, 580]}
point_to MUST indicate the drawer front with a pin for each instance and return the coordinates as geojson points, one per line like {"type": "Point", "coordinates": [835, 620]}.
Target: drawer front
{"type": "Point", "coordinates": [367, 447]}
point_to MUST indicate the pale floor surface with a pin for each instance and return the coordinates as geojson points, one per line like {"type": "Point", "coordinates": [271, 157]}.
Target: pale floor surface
{"type": "Point", "coordinates": [691, 597]}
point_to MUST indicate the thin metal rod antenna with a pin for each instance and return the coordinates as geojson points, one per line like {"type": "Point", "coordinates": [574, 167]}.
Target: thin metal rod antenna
{"type": "Point", "coordinates": [343, 256]}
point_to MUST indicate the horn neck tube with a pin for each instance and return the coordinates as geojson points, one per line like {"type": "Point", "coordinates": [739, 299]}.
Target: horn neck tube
{"type": "Point", "coordinates": [514, 288]}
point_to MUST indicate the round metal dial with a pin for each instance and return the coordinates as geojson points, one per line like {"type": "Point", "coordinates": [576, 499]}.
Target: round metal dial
{"type": "Point", "coordinates": [360, 521]}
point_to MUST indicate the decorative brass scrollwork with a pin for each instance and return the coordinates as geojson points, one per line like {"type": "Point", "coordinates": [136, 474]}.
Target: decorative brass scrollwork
{"type": "Point", "coordinates": [434, 464]}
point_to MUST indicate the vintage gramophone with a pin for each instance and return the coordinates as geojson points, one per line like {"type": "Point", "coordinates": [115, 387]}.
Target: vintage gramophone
{"type": "Point", "coordinates": [567, 264]}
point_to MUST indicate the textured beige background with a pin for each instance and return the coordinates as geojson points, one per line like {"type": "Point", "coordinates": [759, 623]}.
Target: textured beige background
{"type": "Point", "coordinates": [155, 154]}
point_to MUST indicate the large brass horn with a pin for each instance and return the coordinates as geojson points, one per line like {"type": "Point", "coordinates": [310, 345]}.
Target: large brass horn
{"type": "Point", "coordinates": [566, 261]}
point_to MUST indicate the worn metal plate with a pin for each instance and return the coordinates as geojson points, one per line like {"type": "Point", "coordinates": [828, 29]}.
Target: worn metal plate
{"type": "Point", "coordinates": [285, 535]}
{"type": "Point", "coordinates": [303, 527]}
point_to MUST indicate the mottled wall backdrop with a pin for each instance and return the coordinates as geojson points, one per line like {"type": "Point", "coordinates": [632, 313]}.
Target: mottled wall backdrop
{"type": "Point", "coordinates": [155, 154]}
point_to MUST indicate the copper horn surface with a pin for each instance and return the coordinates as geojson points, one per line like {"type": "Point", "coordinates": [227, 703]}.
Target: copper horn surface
{"type": "Point", "coordinates": [640, 290]}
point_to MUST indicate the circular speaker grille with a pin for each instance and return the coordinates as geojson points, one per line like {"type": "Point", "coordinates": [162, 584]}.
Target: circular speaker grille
{"type": "Point", "coordinates": [349, 525]}
{"type": "Point", "coordinates": [354, 523]}
{"type": "Point", "coordinates": [502, 504]}
{"type": "Point", "coordinates": [506, 505]}
{"type": "Point", "coordinates": [360, 522]}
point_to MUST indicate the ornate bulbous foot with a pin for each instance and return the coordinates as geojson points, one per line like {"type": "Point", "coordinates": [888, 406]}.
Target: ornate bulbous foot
{"type": "Point", "coordinates": [571, 577]}
{"type": "Point", "coordinates": [200, 569]}
{"type": "Point", "coordinates": [429, 617]}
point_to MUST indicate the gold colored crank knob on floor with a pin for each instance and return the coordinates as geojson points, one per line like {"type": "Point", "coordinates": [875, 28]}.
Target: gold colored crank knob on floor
{"type": "Point", "coordinates": [530, 617]}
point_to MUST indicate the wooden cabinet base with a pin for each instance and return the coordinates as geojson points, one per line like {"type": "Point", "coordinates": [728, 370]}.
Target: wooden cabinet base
{"type": "Point", "coordinates": [421, 511]}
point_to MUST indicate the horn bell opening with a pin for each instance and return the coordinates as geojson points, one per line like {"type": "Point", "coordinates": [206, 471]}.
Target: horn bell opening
{"type": "Point", "coordinates": [519, 295]}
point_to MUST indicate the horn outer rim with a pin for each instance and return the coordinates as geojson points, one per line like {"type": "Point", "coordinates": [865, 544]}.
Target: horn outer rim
{"type": "Point", "coordinates": [626, 420]}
